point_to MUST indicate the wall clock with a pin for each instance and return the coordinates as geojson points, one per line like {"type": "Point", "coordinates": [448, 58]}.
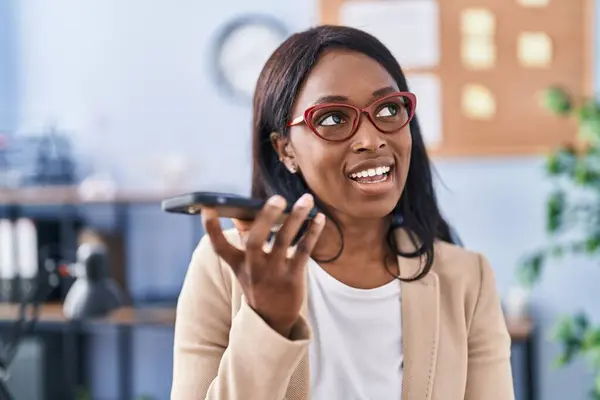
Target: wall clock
{"type": "Point", "coordinates": [240, 51]}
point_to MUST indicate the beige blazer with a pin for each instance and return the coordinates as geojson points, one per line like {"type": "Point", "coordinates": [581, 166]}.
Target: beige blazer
{"type": "Point", "coordinates": [455, 341]}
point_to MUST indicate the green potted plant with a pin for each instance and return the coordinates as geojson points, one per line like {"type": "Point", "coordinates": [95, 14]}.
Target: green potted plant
{"type": "Point", "coordinates": [572, 221]}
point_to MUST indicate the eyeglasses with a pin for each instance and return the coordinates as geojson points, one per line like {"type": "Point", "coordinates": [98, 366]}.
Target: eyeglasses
{"type": "Point", "coordinates": [336, 122]}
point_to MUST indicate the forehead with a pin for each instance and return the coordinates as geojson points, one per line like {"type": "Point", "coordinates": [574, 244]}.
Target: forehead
{"type": "Point", "coordinates": [344, 73]}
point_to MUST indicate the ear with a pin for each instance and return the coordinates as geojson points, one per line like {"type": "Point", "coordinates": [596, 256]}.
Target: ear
{"type": "Point", "coordinates": [284, 149]}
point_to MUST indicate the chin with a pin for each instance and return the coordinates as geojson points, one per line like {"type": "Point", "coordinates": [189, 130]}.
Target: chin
{"type": "Point", "coordinates": [372, 209]}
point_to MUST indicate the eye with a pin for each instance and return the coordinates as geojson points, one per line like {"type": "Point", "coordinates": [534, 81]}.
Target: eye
{"type": "Point", "coordinates": [388, 110]}
{"type": "Point", "coordinates": [332, 120]}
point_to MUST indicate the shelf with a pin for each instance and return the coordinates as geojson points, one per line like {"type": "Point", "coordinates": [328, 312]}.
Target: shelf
{"type": "Point", "coordinates": [60, 195]}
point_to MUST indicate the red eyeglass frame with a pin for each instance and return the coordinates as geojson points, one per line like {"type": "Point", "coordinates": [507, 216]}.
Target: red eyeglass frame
{"type": "Point", "coordinates": [308, 113]}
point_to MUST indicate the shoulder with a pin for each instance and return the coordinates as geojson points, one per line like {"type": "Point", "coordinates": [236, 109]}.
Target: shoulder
{"type": "Point", "coordinates": [462, 272]}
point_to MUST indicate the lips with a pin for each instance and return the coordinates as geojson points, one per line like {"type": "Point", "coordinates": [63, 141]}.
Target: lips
{"type": "Point", "coordinates": [369, 171]}
{"type": "Point", "coordinates": [373, 177]}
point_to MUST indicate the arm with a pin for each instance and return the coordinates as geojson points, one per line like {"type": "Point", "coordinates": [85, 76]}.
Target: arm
{"type": "Point", "coordinates": [489, 374]}
{"type": "Point", "coordinates": [217, 358]}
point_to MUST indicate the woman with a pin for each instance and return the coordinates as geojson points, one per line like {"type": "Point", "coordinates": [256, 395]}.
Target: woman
{"type": "Point", "coordinates": [367, 301]}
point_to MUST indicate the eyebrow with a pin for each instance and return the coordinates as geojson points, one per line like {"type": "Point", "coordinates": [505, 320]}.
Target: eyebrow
{"type": "Point", "coordinates": [337, 98]}
{"type": "Point", "coordinates": [383, 91]}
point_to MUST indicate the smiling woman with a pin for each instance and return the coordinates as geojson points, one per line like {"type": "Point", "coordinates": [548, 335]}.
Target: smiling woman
{"type": "Point", "coordinates": [370, 300]}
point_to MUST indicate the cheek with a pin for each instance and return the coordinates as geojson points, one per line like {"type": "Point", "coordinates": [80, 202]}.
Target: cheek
{"type": "Point", "coordinates": [402, 145]}
{"type": "Point", "coordinates": [405, 142]}
{"type": "Point", "coordinates": [403, 148]}
{"type": "Point", "coordinates": [319, 162]}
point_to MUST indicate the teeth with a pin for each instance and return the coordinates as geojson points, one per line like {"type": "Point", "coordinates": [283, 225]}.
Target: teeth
{"type": "Point", "coordinates": [371, 172]}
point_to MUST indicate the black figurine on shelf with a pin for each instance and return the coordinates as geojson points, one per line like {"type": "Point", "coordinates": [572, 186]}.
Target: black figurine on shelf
{"type": "Point", "coordinates": [54, 164]}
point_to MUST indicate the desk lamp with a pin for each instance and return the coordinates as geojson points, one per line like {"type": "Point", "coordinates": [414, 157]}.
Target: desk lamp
{"type": "Point", "coordinates": [93, 295]}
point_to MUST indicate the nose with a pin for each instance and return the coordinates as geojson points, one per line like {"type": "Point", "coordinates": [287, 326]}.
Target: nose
{"type": "Point", "coordinates": [367, 138]}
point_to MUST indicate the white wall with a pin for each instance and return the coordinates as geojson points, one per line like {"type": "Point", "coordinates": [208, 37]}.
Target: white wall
{"type": "Point", "coordinates": [130, 80]}
{"type": "Point", "coordinates": [8, 68]}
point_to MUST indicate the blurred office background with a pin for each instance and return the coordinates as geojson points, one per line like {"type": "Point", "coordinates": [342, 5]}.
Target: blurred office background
{"type": "Point", "coordinates": [128, 93]}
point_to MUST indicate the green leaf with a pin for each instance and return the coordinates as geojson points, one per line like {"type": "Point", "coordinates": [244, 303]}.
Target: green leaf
{"type": "Point", "coordinates": [596, 389]}
{"type": "Point", "coordinates": [561, 161]}
{"type": "Point", "coordinates": [529, 271]}
{"type": "Point", "coordinates": [566, 357]}
{"type": "Point", "coordinates": [589, 129]}
{"type": "Point", "coordinates": [592, 244]}
{"type": "Point", "coordinates": [594, 394]}
{"type": "Point", "coordinates": [555, 210]}
{"type": "Point", "coordinates": [561, 361]}
{"type": "Point", "coordinates": [553, 164]}
{"type": "Point", "coordinates": [556, 100]}
{"type": "Point", "coordinates": [564, 330]}
{"type": "Point", "coordinates": [583, 173]}
{"type": "Point", "coordinates": [588, 110]}
{"type": "Point", "coordinates": [581, 323]}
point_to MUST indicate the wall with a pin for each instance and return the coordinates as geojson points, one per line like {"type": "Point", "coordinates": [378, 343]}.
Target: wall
{"type": "Point", "coordinates": [8, 66]}
{"type": "Point", "coordinates": [127, 79]}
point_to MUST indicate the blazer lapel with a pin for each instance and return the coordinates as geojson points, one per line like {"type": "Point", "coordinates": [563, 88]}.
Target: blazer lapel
{"type": "Point", "coordinates": [299, 387]}
{"type": "Point", "coordinates": [420, 327]}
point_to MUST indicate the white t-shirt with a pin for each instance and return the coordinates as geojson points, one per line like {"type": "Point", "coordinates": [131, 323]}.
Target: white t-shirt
{"type": "Point", "coordinates": [356, 351]}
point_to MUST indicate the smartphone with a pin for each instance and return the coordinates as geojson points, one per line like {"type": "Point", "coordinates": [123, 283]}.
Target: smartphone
{"type": "Point", "coordinates": [228, 205]}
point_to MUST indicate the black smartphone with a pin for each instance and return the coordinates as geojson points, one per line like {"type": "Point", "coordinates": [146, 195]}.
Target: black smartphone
{"type": "Point", "coordinates": [228, 205]}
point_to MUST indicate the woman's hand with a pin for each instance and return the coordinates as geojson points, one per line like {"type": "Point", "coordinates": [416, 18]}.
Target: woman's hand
{"type": "Point", "coordinates": [273, 284]}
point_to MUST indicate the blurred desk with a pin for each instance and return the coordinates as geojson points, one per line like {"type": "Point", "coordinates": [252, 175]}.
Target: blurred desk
{"type": "Point", "coordinates": [52, 313]}
{"type": "Point", "coordinates": [51, 317]}
{"type": "Point", "coordinates": [522, 332]}
{"type": "Point", "coordinates": [52, 320]}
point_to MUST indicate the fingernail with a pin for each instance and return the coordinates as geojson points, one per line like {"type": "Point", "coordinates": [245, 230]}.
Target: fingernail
{"type": "Point", "coordinates": [276, 201]}
{"type": "Point", "coordinates": [319, 219]}
{"type": "Point", "coordinates": [305, 200]}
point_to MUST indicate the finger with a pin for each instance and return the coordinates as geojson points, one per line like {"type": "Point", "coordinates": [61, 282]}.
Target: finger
{"type": "Point", "coordinates": [292, 225]}
{"type": "Point", "coordinates": [212, 226]}
{"type": "Point", "coordinates": [307, 243]}
{"type": "Point", "coordinates": [261, 228]}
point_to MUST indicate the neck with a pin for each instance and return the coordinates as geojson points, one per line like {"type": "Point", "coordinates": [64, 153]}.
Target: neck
{"type": "Point", "coordinates": [363, 241]}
